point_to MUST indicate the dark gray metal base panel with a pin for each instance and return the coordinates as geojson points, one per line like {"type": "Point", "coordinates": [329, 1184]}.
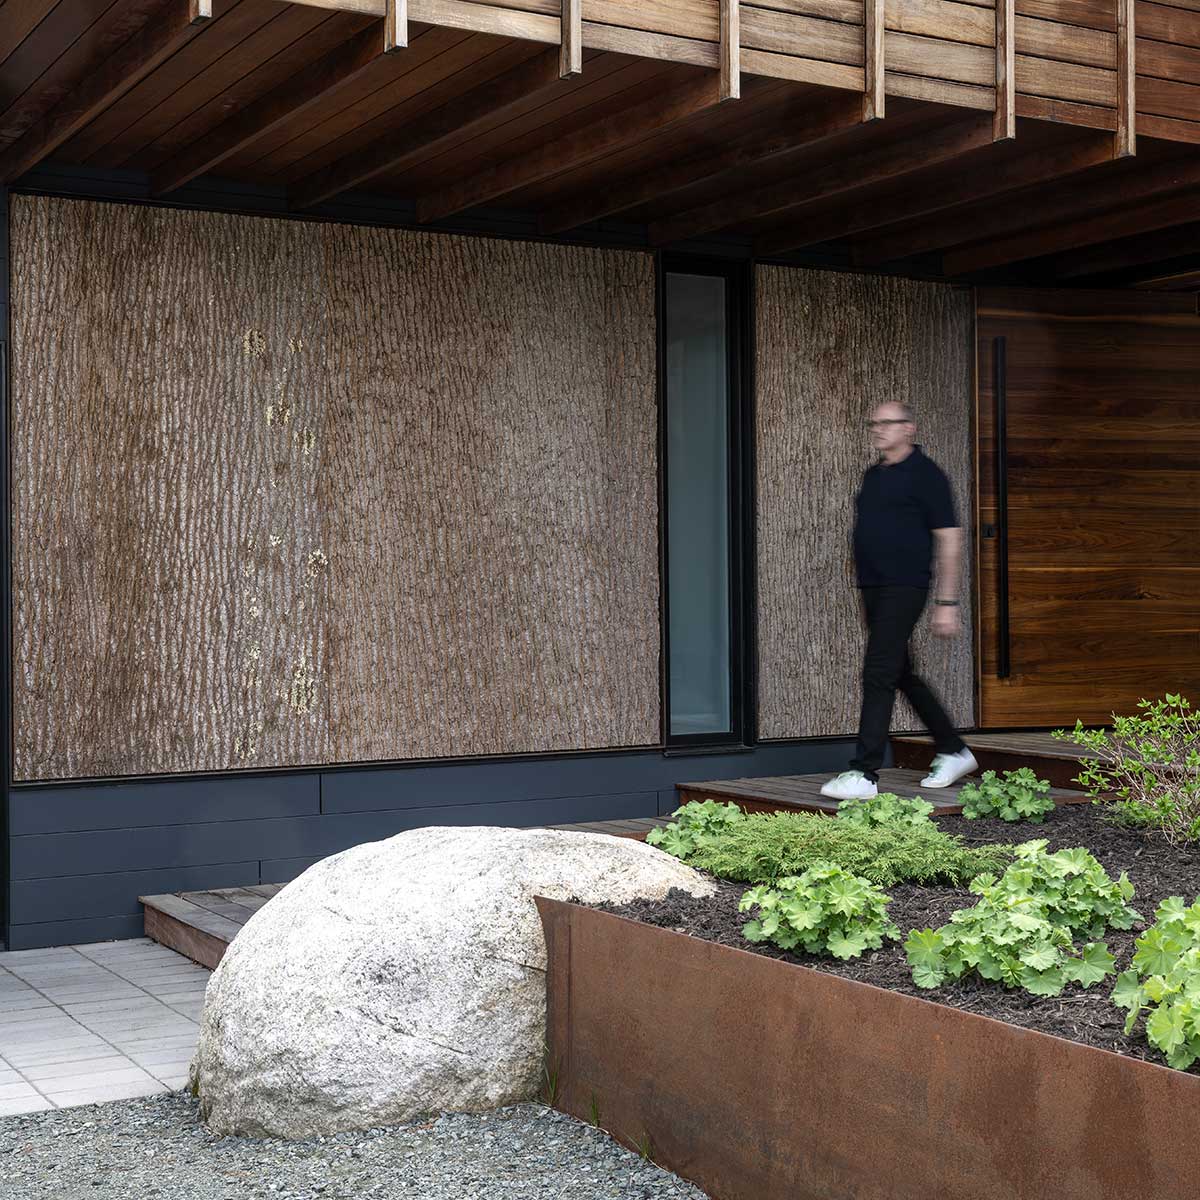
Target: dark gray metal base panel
{"type": "Point", "coordinates": [82, 854]}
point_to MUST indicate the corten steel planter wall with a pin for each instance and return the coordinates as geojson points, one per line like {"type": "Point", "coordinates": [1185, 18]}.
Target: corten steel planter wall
{"type": "Point", "coordinates": [762, 1080]}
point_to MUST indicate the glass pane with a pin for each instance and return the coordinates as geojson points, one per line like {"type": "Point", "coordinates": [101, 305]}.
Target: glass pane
{"type": "Point", "coordinates": [697, 399]}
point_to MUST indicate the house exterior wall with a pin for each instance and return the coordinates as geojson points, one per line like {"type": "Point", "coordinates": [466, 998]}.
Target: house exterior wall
{"type": "Point", "coordinates": [288, 494]}
{"type": "Point", "coordinates": [830, 348]}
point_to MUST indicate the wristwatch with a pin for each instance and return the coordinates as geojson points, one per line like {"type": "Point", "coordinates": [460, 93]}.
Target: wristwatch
{"type": "Point", "coordinates": [947, 603]}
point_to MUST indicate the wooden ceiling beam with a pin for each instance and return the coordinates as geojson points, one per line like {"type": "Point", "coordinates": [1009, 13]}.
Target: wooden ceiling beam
{"type": "Point", "coordinates": [306, 90]}
{"type": "Point", "coordinates": [421, 135]}
{"type": "Point", "coordinates": [817, 222]}
{"type": "Point", "coordinates": [573, 150]}
{"type": "Point", "coordinates": [1145, 251]}
{"type": "Point", "coordinates": [847, 174]}
{"type": "Point", "coordinates": [1125, 182]}
{"type": "Point", "coordinates": [803, 125]}
{"type": "Point", "coordinates": [105, 82]}
{"type": "Point", "coordinates": [1176, 208]}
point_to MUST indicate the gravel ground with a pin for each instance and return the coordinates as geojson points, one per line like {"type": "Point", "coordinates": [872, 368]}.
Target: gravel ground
{"type": "Point", "coordinates": [157, 1148]}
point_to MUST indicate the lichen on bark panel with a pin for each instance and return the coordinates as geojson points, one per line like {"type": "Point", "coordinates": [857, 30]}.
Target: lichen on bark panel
{"type": "Point", "coordinates": [494, 548]}
{"type": "Point", "coordinates": [239, 542]}
{"type": "Point", "coordinates": [830, 347]}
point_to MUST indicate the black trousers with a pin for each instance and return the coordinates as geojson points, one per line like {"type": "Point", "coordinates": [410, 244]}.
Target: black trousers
{"type": "Point", "coordinates": [891, 614]}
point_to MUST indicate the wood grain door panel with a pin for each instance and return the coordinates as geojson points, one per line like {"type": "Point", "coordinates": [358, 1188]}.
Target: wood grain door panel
{"type": "Point", "coordinates": [1103, 453]}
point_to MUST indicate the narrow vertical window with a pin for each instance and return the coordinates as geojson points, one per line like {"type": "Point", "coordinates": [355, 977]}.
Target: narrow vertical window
{"type": "Point", "coordinates": [699, 394]}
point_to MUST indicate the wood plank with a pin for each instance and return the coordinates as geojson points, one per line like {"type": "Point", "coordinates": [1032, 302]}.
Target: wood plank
{"type": "Point", "coordinates": [106, 83]}
{"type": "Point", "coordinates": [570, 60]}
{"type": "Point", "coordinates": [804, 37]}
{"type": "Point", "coordinates": [802, 124]}
{"type": "Point", "coordinates": [1126, 79]}
{"type": "Point", "coordinates": [1004, 122]}
{"type": "Point", "coordinates": [453, 119]}
{"type": "Point", "coordinates": [623, 128]}
{"type": "Point", "coordinates": [658, 46]}
{"type": "Point", "coordinates": [941, 91]}
{"type": "Point", "coordinates": [290, 100]}
{"type": "Point", "coordinates": [199, 945]}
{"type": "Point", "coordinates": [1157, 213]}
{"type": "Point", "coordinates": [395, 25]}
{"type": "Point", "coordinates": [192, 915]}
{"type": "Point", "coordinates": [266, 890]}
{"type": "Point", "coordinates": [911, 201]}
{"type": "Point", "coordinates": [730, 48]}
{"type": "Point", "coordinates": [802, 70]}
{"type": "Point", "coordinates": [874, 59]}
{"type": "Point", "coordinates": [18, 19]}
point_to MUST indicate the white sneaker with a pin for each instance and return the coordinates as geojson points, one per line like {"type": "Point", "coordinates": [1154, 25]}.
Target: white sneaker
{"type": "Point", "coordinates": [850, 785]}
{"type": "Point", "coordinates": [949, 768]}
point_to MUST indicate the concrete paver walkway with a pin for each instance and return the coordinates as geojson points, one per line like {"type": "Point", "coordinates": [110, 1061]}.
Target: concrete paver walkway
{"type": "Point", "coordinates": [81, 1024]}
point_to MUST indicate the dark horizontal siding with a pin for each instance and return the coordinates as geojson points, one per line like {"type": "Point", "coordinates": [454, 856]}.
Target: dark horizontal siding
{"type": "Point", "coordinates": [82, 855]}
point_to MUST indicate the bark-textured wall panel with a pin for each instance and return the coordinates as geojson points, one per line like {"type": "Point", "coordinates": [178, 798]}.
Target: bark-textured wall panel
{"type": "Point", "coordinates": [830, 348]}
{"type": "Point", "coordinates": [259, 482]}
{"type": "Point", "coordinates": [501, 436]}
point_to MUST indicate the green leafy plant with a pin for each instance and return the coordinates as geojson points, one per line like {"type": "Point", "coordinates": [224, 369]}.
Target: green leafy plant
{"type": "Point", "coordinates": [1019, 796]}
{"type": "Point", "coordinates": [1021, 930]}
{"type": "Point", "coordinates": [694, 822]}
{"type": "Point", "coordinates": [1146, 769]}
{"type": "Point", "coordinates": [827, 910]}
{"type": "Point", "coordinates": [885, 809]}
{"type": "Point", "coordinates": [764, 847]}
{"type": "Point", "coordinates": [1164, 982]}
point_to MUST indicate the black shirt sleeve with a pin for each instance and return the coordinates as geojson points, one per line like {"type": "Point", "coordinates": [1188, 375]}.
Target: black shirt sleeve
{"type": "Point", "coordinates": [935, 498]}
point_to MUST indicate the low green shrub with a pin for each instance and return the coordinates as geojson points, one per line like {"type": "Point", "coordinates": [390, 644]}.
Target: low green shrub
{"type": "Point", "coordinates": [885, 809]}
{"type": "Point", "coordinates": [1164, 982]}
{"type": "Point", "coordinates": [827, 910]}
{"type": "Point", "coordinates": [1147, 767]}
{"type": "Point", "coordinates": [694, 822]}
{"type": "Point", "coordinates": [764, 847]}
{"type": "Point", "coordinates": [1019, 796]}
{"type": "Point", "coordinates": [1021, 930]}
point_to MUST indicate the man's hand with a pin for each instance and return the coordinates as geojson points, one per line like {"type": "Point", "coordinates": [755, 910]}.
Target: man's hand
{"type": "Point", "coordinates": [946, 622]}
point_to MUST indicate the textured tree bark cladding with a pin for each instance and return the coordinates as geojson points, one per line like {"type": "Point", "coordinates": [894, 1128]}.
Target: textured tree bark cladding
{"type": "Point", "coordinates": [830, 347]}
{"type": "Point", "coordinates": [289, 493]}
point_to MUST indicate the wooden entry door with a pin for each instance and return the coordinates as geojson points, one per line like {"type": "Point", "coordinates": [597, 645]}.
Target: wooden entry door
{"type": "Point", "coordinates": [1089, 413]}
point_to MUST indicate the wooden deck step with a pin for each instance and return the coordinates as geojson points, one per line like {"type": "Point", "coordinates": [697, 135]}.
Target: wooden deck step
{"type": "Point", "coordinates": [200, 925]}
{"type": "Point", "coordinates": [802, 793]}
{"type": "Point", "coordinates": [1056, 761]}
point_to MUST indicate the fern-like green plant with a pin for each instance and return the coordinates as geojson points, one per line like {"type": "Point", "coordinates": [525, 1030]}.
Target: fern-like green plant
{"type": "Point", "coordinates": [885, 809]}
{"type": "Point", "coordinates": [764, 847]}
{"type": "Point", "coordinates": [1019, 796]}
{"type": "Point", "coordinates": [827, 910]}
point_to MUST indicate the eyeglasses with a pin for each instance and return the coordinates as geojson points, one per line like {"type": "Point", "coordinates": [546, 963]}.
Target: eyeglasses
{"type": "Point", "coordinates": [888, 421]}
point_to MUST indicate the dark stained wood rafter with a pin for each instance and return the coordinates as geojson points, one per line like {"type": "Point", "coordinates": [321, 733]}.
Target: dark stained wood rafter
{"type": "Point", "coordinates": [1176, 208]}
{"type": "Point", "coordinates": [305, 91]}
{"type": "Point", "coordinates": [847, 174]}
{"type": "Point", "coordinates": [1003, 224]}
{"type": "Point", "coordinates": [105, 82]}
{"type": "Point", "coordinates": [574, 149]}
{"type": "Point", "coordinates": [798, 125]}
{"type": "Point", "coordinates": [822, 222]}
{"type": "Point", "coordinates": [1125, 255]}
{"type": "Point", "coordinates": [535, 75]}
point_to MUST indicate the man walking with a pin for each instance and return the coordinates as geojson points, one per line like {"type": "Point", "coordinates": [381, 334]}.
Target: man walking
{"type": "Point", "coordinates": [905, 518]}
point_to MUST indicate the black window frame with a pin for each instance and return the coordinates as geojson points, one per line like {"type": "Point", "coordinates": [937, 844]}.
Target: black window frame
{"type": "Point", "coordinates": [739, 316]}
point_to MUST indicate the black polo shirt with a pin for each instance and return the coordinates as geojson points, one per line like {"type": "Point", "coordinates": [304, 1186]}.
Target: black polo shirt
{"type": "Point", "coordinates": [897, 509]}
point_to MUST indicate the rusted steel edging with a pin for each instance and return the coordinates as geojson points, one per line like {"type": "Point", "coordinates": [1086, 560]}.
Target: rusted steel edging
{"type": "Point", "coordinates": [760, 1079]}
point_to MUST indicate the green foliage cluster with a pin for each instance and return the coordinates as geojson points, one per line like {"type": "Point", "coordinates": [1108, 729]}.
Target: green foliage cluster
{"type": "Point", "coordinates": [1019, 796]}
{"type": "Point", "coordinates": [764, 847]}
{"type": "Point", "coordinates": [1146, 769]}
{"type": "Point", "coordinates": [1165, 982]}
{"type": "Point", "coordinates": [1021, 931]}
{"type": "Point", "coordinates": [696, 822]}
{"type": "Point", "coordinates": [827, 910]}
{"type": "Point", "coordinates": [885, 809]}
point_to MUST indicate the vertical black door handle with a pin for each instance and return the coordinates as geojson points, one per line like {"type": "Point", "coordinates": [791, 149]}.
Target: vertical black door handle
{"type": "Point", "coordinates": [1000, 366]}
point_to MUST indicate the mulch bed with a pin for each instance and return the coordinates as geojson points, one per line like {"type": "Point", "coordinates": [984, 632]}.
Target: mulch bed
{"type": "Point", "coordinates": [1156, 869]}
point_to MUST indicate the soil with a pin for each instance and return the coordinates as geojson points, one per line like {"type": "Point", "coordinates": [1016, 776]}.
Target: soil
{"type": "Point", "coordinates": [1156, 868]}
